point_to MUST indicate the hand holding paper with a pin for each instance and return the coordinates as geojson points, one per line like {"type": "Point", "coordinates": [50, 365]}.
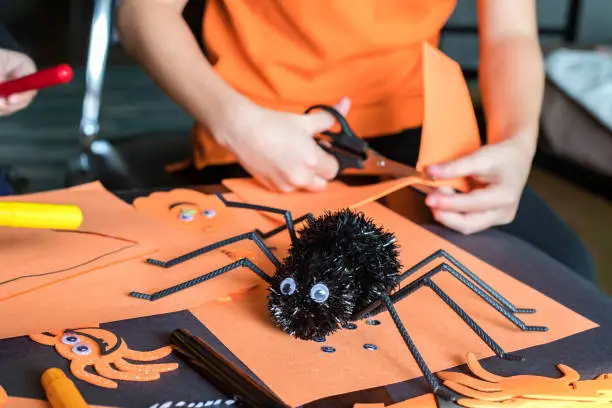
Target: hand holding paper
{"type": "Point", "coordinates": [501, 168]}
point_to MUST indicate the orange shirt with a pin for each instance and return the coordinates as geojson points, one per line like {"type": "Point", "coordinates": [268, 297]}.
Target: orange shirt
{"type": "Point", "coordinates": [291, 54]}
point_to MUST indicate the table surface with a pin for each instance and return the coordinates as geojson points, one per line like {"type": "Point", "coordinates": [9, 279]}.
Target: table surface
{"type": "Point", "coordinates": [590, 353]}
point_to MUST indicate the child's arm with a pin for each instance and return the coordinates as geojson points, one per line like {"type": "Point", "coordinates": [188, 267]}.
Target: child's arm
{"type": "Point", "coordinates": [277, 148]}
{"type": "Point", "coordinates": [155, 34]}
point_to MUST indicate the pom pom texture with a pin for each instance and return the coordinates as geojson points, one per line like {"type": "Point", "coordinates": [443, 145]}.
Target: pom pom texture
{"type": "Point", "coordinates": [345, 251]}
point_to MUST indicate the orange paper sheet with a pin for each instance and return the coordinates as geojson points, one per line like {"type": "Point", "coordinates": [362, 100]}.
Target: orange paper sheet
{"type": "Point", "coordinates": [450, 129]}
{"type": "Point", "coordinates": [99, 292]}
{"type": "Point", "coordinates": [17, 402]}
{"type": "Point", "coordinates": [281, 361]}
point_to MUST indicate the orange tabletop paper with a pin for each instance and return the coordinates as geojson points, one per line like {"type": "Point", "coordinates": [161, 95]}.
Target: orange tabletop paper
{"type": "Point", "coordinates": [281, 361]}
{"type": "Point", "coordinates": [98, 291]}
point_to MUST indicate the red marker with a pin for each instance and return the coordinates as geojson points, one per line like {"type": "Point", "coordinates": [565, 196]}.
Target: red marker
{"type": "Point", "coordinates": [45, 78]}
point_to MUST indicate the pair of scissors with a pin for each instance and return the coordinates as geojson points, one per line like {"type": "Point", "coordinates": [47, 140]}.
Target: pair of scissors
{"type": "Point", "coordinates": [355, 157]}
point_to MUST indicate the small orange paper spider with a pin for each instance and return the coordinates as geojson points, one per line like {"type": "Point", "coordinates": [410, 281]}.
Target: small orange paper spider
{"type": "Point", "coordinates": [103, 349]}
{"type": "Point", "coordinates": [528, 391]}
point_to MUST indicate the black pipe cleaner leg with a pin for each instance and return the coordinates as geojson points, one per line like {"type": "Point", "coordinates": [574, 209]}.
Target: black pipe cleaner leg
{"type": "Point", "coordinates": [244, 262]}
{"type": "Point", "coordinates": [433, 382]}
{"type": "Point", "coordinates": [376, 307]}
{"type": "Point", "coordinates": [470, 322]}
{"type": "Point", "coordinates": [285, 213]}
{"type": "Point", "coordinates": [487, 288]}
{"type": "Point", "coordinates": [281, 228]}
{"type": "Point", "coordinates": [253, 236]}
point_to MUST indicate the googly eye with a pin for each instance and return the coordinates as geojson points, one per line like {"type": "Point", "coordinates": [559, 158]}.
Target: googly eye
{"type": "Point", "coordinates": [81, 349]}
{"type": "Point", "coordinates": [208, 213]}
{"type": "Point", "coordinates": [70, 339]}
{"type": "Point", "coordinates": [319, 293]}
{"type": "Point", "coordinates": [186, 215]}
{"type": "Point", "coordinates": [287, 286]}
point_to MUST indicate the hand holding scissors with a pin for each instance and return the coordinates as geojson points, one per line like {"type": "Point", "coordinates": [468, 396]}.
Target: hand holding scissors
{"type": "Point", "coordinates": [355, 157]}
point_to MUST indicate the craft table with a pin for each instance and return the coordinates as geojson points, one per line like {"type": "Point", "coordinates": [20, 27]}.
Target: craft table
{"type": "Point", "coordinates": [590, 353]}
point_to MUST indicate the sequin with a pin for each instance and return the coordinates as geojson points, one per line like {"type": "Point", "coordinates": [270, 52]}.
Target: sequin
{"type": "Point", "coordinates": [328, 349]}
{"type": "Point", "coordinates": [319, 339]}
{"type": "Point", "coordinates": [369, 346]}
{"type": "Point", "coordinates": [350, 326]}
{"type": "Point", "coordinates": [372, 322]}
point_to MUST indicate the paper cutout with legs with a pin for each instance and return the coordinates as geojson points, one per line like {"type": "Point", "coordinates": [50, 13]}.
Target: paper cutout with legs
{"type": "Point", "coordinates": [490, 390]}
{"type": "Point", "coordinates": [107, 353]}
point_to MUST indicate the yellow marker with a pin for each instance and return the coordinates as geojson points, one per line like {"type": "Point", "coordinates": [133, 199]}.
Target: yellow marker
{"type": "Point", "coordinates": [61, 391]}
{"type": "Point", "coordinates": [36, 215]}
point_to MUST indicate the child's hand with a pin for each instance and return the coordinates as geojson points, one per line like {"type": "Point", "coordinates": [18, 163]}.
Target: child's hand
{"type": "Point", "coordinates": [15, 65]}
{"type": "Point", "coordinates": [503, 168]}
{"type": "Point", "coordinates": [278, 148]}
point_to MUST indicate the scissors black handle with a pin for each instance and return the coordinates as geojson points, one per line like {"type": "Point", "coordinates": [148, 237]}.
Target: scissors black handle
{"type": "Point", "coordinates": [348, 149]}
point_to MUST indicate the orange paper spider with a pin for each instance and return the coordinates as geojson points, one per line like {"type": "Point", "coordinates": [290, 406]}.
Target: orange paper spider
{"type": "Point", "coordinates": [103, 349]}
{"type": "Point", "coordinates": [528, 391]}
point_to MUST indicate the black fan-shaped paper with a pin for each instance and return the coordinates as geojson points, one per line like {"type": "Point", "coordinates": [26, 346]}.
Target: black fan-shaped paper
{"type": "Point", "coordinates": [353, 257]}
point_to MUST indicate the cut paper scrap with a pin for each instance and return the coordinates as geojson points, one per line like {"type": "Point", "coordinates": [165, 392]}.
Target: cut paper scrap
{"type": "Point", "coordinates": [194, 211]}
{"type": "Point", "coordinates": [281, 361]}
{"type": "Point", "coordinates": [100, 293]}
{"type": "Point", "coordinates": [108, 354]}
{"type": "Point", "coordinates": [450, 129]}
{"type": "Point", "coordinates": [303, 202]}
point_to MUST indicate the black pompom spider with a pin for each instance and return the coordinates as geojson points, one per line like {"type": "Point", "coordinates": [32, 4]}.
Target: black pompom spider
{"type": "Point", "coordinates": [342, 268]}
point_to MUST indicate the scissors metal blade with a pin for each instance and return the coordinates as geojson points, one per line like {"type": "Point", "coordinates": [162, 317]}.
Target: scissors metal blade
{"type": "Point", "coordinates": [377, 164]}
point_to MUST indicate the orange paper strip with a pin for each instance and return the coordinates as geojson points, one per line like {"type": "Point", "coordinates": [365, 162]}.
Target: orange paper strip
{"type": "Point", "coordinates": [282, 361]}
{"type": "Point", "coordinates": [337, 197]}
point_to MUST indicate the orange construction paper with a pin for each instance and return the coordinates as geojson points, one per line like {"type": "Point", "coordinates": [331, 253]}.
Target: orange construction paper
{"type": "Point", "coordinates": [338, 196]}
{"type": "Point", "coordinates": [281, 361]}
{"type": "Point", "coordinates": [17, 402]}
{"type": "Point", "coordinates": [99, 292]}
{"type": "Point", "coordinates": [450, 129]}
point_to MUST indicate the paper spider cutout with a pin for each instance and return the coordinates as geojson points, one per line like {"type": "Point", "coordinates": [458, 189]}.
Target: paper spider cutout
{"type": "Point", "coordinates": [102, 349]}
{"type": "Point", "coordinates": [342, 268]}
{"type": "Point", "coordinates": [491, 390]}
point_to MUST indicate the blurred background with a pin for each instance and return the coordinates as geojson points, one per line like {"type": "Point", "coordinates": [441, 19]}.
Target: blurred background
{"type": "Point", "coordinates": [41, 147]}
